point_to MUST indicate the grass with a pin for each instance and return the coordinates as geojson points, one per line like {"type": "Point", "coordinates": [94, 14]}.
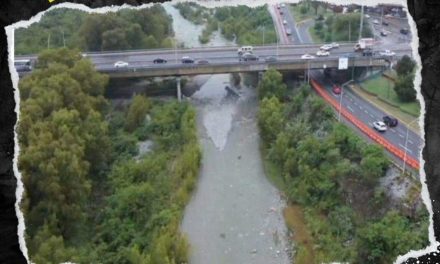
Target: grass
{"type": "Point", "coordinates": [314, 36]}
{"type": "Point", "coordinates": [310, 14]}
{"type": "Point", "coordinates": [383, 88]}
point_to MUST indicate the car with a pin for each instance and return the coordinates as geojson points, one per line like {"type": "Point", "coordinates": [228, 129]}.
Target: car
{"type": "Point", "coordinates": [385, 23]}
{"type": "Point", "coordinates": [388, 16]}
{"type": "Point", "coordinates": [288, 31]}
{"type": "Point", "coordinates": [380, 126]}
{"type": "Point", "coordinates": [367, 52]}
{"type": "Point", "coordinates": [202, 62]}
{"type": "Point", "coordinates": [376, 22]}
{"type": "Point", "coordinates": [281, 12]}
{"type": "Point", "coordinates": [245, 49]}
{"type": "Point", "coordinates": [249, 57]}
{"type": "Point", "coordinates": [404, 31]}
{"type": "Point", "coordinates": [387, 53]}
{"type": "Point", "coordinates": [334, 45]}
{"type": "Point", "coordinates": [383, 33]}
{"type": "Point", "coordinates": [322, 53]}
{"type": "Point", "coordinates": [187, 60]}
{"type": "Point", "coordinates": [307, 57]}
{"type": "Point", "coordinates": [336, 89]}
{"type": "Point", "coordinates": [367, 16]}
{"type": "Point", "coordinates": [326, 47]}
{"type": "Point", "coordinates": [121, 64]}
{"type": "Point", "coordinates": [159, 61]}
{"type": "Point", "coordinates": [284, 22]}
{"type": "Point", "coordinates": [270, 59]}
{"type": "Point", "coordinates": [390, 121]}
{"type": "Point", "coordinates": [283, 5]}
{"type": "Point", "coordinates": [278, 6]}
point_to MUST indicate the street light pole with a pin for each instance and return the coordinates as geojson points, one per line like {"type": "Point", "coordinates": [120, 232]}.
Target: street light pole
{"type": "Point", "coordinates": [340, 103]}
{"type": "Point", "coordinates": [362, 22]}
{"type": "Point", "coordinates": [406, 144]}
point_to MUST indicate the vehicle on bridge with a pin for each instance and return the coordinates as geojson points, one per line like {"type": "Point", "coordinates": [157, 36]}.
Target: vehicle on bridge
{"type": "Point", "coordinates": [121, 64]}
{"type": "Point", "coordinates": [270, 59]}
{"type": "Point", "coordinates": [387, 53]}
{"type": "Point", "coordinates": [288, 31]}
{"type": "Point", "coordinates": [187, 60]}
{"type": "Point", "coordinates": [363, 44]}
{"type": "Point", "coordinates": [380, 126]}
{"type": "Point", "coordinates": [249, 57]}
{"type": "Point", "coordinates": [322, 53]}
{"type": "Point", "coordinates": [404, 31]}
{"type": "Point", "coordinates": [307, 57]}
{"type": "Point", "coordinates": [23, 65]}
{"type": "Point", "coordinates": [367, 52]}
{"type": "Point", "coordinates": [159, 61]}
{"type": "Point", "coordinates": [245, 49]}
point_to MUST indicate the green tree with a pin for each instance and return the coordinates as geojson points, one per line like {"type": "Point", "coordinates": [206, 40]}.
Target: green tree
{"type": "Point", "coordinates": [405, 66]}
{"type": "Point", "coordinates": [137, 112]}
{"type": "Point", "coordinates": [404, 88]}
{"type": "Point", "coordinates": [272, 85]}
{"type": "Point", "coordinates": [270, 118]}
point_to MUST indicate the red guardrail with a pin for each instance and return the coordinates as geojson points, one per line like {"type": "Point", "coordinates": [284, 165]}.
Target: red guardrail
{"type": "Point", "coordinates": [366, 129]}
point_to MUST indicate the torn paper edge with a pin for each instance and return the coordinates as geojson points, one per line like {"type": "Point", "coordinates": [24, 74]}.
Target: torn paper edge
{"type": "Point", "coordinates": [210, 3]}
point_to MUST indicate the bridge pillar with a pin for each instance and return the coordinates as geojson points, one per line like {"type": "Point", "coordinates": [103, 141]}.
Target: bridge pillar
{"type": "Point", "coordinates": [179, 91]}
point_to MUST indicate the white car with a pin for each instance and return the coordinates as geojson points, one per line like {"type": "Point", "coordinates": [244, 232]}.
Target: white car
{"type": "Point", "coordinates": [367, 16]}
{"type": "Point", "coordinates": [326, 47]}
{"type": "Point", "coordinates": [387, 53]}
{"type": "Point", "coordinates": [334, 45]}
{"type": "Point", "coordinates": [121, 64]}
{"type": "Point", "coordinates": [284, 22]}
{"type": "Point", "coordinates": [380, 126]}
{"type": "Point", "coordinates": [307, 57]}
{"type": "Point", "coordinates": [283, 5]}
{"type": "Point", "coordinates": [376, 22]}
{"type": "Point", "coordinates": [322, 53]}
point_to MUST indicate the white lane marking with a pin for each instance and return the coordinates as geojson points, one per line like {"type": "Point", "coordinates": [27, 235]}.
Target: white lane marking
{"type": "Point", "coordinates": [360, 107]}
{"type": "Point", "coordinates": [372, 116]}
{"type": "Point", "coordinates": [355, 103]}
{"type": "Point", "coordinates": [392, 129]}
{"type": "Point", "coordinates": [366, 112]}
{"type": "Point", "coordinates": [351, 109]}
{"type": "Point", "coordinates": [402, 136]}
{"type": "Point", "coordinates": [407, 149]}
{"type": "Point", "coordinates": [410, 142]}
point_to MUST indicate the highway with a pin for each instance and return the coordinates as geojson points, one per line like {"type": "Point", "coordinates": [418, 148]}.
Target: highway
{"type": "Point", "coordinates": [104, 61]}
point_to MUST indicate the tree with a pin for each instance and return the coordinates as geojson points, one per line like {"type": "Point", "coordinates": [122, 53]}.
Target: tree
{"type": "Point", "coordinates": [270, 118]}
{"type": "Point", "coordinates": [405, 66]}
{"type": "Point", "coordinates": [272, 85]}
{"type": "Point", "coordinates": [404, 88]}
{"type": "Point", "coordinates": [137, 112]}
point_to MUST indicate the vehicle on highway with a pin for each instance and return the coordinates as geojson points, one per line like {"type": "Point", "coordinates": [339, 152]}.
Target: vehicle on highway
{"type": "Point", "coordinates": [322, 53]}
{"type": "Point", "coordinates": [380, 126]}
{"type": "Point", "coordinates": [383, 33]}
{"type": "Point", "coordinates": [249, 57]}
{"type": "Point", "coordinates": [404, 31]}
{"type": "Point", "coordinates": [278, 6]}
{"type": "Point", "coordinates": [376, 22]}
{"type": "Point", "coordinates": [121, 64]}
{"type": "Point", "coordinates": [390, 121]}
{"type": "Point", "coordinates": [336, 89]}
{"type": "Point", "coordinates": [245, 49]}
{"type": "Point", "coordinates": [283, 5]}
{"type": "Point", "coordinates": [326, 47]}
{"type": "Point", "coordinates": [385, 23]}
{"type": "Point", "coordinates": [364, 43]}
{"type": "Point", "coordinates": [367, 16]}
{"type": "Point", "coordinates": [187, 60]}
{"type": "Point", "coordinates": [367, 52]}
{"type": "Point", "coordinates": [281, 12]}
{"type": "Point", "coordinates": [159, 61]}
{"type": "Point", "coordinates": [388, 16]}
{"type": "Point", "coordinates": [387, 53]}
{"type": "Point", "coordinates": [270, 59]}
{"type": "Point", "coordinates": [202, 62]}
{"type": "Point", "coordinates": [23, 65]}
{"type": "Point", "coordinates": [307, 57]}
{"type": "Point", "coordinates": [334, 45]}
{"type": "Point", "coordinates": [284, 22]}
{"type": "Point", "coordinates": [288, 31]}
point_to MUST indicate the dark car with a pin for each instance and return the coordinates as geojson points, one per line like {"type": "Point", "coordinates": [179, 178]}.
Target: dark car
{"type": "Point", "coordinates": [383, 33]}
{"type": "Point", "coordinates": [404, 31]}
{"type": "Point", "coordinates": [159, 61]}
{"type": "Point", "coordinates": [367, 52]}
{"type": "Point", "coordinates": [385, 23]}
{"type": "Point", "coordinates": [270, 59]}
{"type": "Point", "coordinates": [187, 60]}
{"type": "Point", "coordinates": [390, 121]}
{"type": "Point", "coordinates": [249, 57]}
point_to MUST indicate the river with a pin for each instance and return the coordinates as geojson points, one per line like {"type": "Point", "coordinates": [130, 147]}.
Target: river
{"type": "Point", "coordinates": [235, 214]}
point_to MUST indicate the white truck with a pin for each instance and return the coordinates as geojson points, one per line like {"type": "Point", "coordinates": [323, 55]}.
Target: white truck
{"type": "Point", "coordinates": [363, 44]}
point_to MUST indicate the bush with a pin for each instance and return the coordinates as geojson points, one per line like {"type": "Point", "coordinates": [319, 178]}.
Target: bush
{"type": "Point", "coordinates": [404, 88]}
